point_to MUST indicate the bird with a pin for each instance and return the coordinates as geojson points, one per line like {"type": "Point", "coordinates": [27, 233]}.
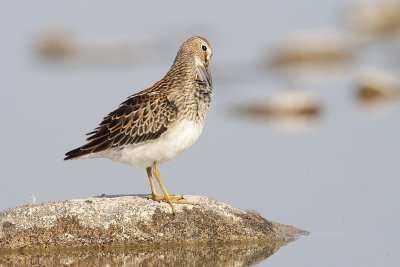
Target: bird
{"type": "Point", "coordinates": [158, 124]}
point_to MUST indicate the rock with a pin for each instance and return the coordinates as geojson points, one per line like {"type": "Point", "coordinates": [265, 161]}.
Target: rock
{"type": "Point", "coordinates": [60, 45]}
{"type": "Point", "coordinates": [374, 85]}
{"type": "Point", "coordinates": [132, 220]}
{"type": "Point", "coordinates": [321, 47]}
{"type": "Point", "coordinates": [377, 17]}
{"type": "Point", "coordinates": [288, 110]}
{"type": "Point", "coordinates": [285, 105]}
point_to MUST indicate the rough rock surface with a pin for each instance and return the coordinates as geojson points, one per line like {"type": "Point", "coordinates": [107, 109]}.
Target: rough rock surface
{"type": "Point", "coordinates": [132, 220]}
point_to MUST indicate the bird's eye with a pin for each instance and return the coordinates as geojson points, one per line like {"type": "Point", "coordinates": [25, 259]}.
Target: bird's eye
{"type": "Point", "coordinates": [204, 48]}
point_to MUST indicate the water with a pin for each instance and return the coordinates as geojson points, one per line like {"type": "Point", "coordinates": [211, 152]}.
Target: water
{"type": "Point", "coordinates": [234, 254]}
{"type": "Point", "coordinates": [339, 180]}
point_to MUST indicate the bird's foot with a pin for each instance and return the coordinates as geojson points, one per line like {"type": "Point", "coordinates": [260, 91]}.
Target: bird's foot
{"type": "Point", "coordinates": [170, 199]}
{"type": "Point", "coordinates": [176, 199]}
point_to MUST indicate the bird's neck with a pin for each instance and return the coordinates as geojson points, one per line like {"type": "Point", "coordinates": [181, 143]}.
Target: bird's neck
{"type": "Point", "coordinates": [183, 69]}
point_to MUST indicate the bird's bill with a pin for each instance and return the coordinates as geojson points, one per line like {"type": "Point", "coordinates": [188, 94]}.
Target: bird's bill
{"type": "Point", "coordinates": [205, 73]}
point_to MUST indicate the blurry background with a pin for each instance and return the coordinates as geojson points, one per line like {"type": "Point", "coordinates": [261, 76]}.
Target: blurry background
{"type": "Point", "coordinates": [304, 125]}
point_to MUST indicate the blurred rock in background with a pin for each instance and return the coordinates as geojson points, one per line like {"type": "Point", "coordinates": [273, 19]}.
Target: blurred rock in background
{"type": "Point", "coordinates": [375, 17]}
{"type": "Point", "coordinates": [322, 47]}
{"type": "Point", "coordinates": [288, 110]}
{"type": "Point", "coordinates": [377, 86]}
{"type": "Point", "coordinates": [313, 54]}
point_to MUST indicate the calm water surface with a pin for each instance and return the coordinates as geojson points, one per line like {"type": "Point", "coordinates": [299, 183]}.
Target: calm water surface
{"type": "Point", "coordinates": [339, 179]}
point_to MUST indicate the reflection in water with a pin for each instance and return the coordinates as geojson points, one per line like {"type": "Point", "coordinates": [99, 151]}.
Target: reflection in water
{"type": "Point", "coordinates": [204, 255]}
{"type": "Point", "coordinates": [289, 110]}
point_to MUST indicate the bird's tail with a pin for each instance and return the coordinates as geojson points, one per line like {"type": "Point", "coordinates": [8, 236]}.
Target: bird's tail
{"type": "Point", "coordinates": [75, 153]}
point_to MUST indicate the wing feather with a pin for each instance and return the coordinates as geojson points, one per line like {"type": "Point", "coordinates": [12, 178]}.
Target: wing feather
{"type": "Point", "coordinates": [141, 118]}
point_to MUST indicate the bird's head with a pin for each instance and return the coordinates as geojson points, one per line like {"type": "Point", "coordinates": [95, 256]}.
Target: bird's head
{"type": "Point", "coordinates": [199, 49]}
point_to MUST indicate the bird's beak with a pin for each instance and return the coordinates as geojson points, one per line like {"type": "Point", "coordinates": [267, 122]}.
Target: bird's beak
{"type": "Point", "coordinates": [205, 73]}
{"type": "Point", "coordinates": [208, 75]}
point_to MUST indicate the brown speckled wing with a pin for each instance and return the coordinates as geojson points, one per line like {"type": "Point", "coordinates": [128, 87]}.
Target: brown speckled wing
{"type": "Point", "coordinates": [141, 118]}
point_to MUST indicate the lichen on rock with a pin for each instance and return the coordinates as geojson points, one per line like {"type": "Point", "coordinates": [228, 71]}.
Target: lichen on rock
{"type": "Point", "coordinates": [132, 220]}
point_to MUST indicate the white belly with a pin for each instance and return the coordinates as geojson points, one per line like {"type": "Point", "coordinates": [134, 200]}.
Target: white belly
{"type": "Point", "coordinates": [170, 145]}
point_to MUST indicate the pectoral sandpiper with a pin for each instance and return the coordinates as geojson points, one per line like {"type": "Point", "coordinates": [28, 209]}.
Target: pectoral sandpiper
{"type": "Point", "coordinates": [160, 123]}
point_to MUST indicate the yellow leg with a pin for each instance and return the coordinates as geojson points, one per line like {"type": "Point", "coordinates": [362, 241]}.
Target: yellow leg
{"type": "Point", "coordinates": [166, 195]}
{"type": "Point", "coordinates": [153, 188]}
{"type": "Point", "coordinates": [168, 198]}
{"type": "Point", "coordinates": [154, 195]}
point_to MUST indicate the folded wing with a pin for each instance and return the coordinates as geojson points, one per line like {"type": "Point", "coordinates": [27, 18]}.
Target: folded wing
{"type": "Point", "coordinates": [141, 118]}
